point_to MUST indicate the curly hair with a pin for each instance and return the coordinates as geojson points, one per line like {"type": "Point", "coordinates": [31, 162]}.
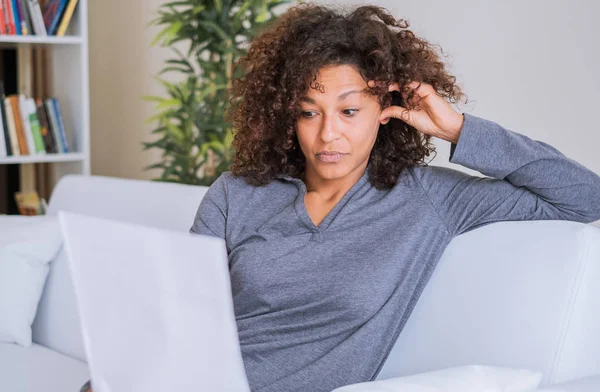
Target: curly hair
{"type": "Point", "coordinates": [282, 64]}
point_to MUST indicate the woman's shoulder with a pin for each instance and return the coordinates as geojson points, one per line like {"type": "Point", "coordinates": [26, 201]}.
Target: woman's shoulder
{"type": "Point", "coordinates": [229, 186]}
{"type": "Point", "coordinates": [433, 172]}
{"type": "Point", "coordinates": [220, 203]}
{"type": "Point", "coordinates": [431, 177]}
{"type": "Point", "coordinates": [422, 178]}
{"type": "Point", "coordinates": [227, 180]}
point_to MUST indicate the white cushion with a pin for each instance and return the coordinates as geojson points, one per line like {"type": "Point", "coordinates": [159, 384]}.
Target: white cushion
{"type": "Point", "coordinates": [511, 294]}
{"type": "Point", "coordinates": [39, 369]}
{"type": "Point", "coordinates": [586, 384]}
{"type": "Point", "coordinates": [57, 323]}
{"type": "Point", "coordinates": [150, 203]}
{"type": "Point", "coordinates": [457, 379]}
{"type": "Point", "coordinates": [27, 245]}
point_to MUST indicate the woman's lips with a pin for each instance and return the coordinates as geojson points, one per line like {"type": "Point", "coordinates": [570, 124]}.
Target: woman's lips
{"type": "Point", "coordinates": [330, 156]}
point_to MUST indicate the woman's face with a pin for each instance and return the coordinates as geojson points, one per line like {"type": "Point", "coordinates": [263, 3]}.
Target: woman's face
{"type": "Point", "coordinates": [337, 127]}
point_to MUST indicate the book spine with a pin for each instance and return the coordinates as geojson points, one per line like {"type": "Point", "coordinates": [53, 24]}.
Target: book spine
{"type": "Point", "coordinates": [26, 17]}
{"type": "Point", "coordinates": [4, 144]}
{"type": "Point", "coordinates": [16, 16]}
{"type": "Point", "coordinates": [56, 19]}
{"type": "Point", "coordinates": [12, 130]}
{"type": "Point", "coordinates": [61, 123]}
{"type": "Point", "coordinates": [49, 141]}
{"type": "Point", "coordinates": [9, 148]}
{"type": "Point", "coordinates": [25, 124]}
{"type": "Point", "coordinates": [54, 124]}
{"type": "Point", "coordinates": [5, 132]}
{"type": "Point", "coordinates": [37, 20]}
{"type": "Point", "coordinates": [12, 102]}
{"type": "Point", "coordinates": [3, 29]}
{"type": "Point", "coordinates": [22, 18]}
{"type": "Point", "coordinates": [66, 19]}
{"type": "Point", "coordinates": [8, 17]}
{"type": "Point", "coordinates": [40, 148]}
{"type": "Point", "coordinates": [48, 11]}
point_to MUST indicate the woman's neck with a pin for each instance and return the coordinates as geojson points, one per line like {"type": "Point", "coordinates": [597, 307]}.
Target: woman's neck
{"type": "Point", "coordinates": [332, 189]}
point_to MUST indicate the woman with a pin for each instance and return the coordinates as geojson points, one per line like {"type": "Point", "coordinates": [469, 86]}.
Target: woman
{"type": "Point", "coordinates": [333, 220]}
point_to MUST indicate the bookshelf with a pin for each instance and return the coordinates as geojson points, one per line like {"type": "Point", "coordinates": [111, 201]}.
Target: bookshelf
{"type": "Point", "coordinates": [66, 77]}
{"type": "Point", "coordinates": [32, 39]}
{"type": "Point", "coordinates": [65, 157]}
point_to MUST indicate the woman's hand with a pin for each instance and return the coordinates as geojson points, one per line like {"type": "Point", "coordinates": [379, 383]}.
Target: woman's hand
{"type": "Point", "coordinates": [434, 116]}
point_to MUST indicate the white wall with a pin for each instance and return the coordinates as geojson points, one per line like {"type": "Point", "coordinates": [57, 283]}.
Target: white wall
{"type": "Point", "coordinates": [530, 65]}
{"type": "Point", "coordinates": [122, 64]}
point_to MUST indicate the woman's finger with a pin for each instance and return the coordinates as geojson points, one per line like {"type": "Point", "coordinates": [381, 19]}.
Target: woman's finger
{"type": "Point", "coordinates": [398, 112]}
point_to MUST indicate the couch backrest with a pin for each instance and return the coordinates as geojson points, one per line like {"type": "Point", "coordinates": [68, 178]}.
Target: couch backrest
{"type": "Point", "coordinates": [521, 294]}
{"type": "Point", "coordinates": [517, 294]}
{"type": "Point", "coordinates": [157, 204]}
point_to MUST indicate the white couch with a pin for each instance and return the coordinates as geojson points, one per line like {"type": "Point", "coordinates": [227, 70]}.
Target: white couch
{"type": "Point", "coordinates": [517, 294]}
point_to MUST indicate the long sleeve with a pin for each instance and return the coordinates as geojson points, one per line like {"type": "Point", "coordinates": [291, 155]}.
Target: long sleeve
{"type": "Point", "coordinates": [211, 216]}
{"type": "Point", "coordinates": [526, 180]}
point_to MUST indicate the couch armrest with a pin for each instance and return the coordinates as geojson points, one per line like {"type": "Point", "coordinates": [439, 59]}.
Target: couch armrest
{"type": "Point", "coordinates": [586, 384]}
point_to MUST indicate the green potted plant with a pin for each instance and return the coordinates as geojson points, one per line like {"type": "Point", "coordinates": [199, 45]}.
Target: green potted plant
{"type": "Point", "coordinates": [192, 132]}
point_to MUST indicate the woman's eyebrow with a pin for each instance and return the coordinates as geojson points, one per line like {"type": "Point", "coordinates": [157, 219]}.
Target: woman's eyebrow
{"type": "Point", "coordinates": [348, 93]}
{"type": "Point", "coordinates": [308, 100]}
{"type": "Point", "coordinates": [339, 98]}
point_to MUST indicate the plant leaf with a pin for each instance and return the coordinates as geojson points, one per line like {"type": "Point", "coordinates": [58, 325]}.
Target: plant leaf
{"type": "Point", "coordinates": [190, 117]}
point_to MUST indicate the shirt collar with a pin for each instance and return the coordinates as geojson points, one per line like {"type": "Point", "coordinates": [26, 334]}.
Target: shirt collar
{"type": "Point", "coordinates": [287, 177]}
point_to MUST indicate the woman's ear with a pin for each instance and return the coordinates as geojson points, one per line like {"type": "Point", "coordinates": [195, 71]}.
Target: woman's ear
{"type": "Point", "coordinates": [384, 120]}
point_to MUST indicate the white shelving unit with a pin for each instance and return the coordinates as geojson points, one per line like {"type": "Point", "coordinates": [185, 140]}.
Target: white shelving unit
{"type": "Point", "coordinates": [34, 39]}
{"type": "Point", "coordinates": [69, 157]}
{"type": "Point", "coordinates": [68, 73]}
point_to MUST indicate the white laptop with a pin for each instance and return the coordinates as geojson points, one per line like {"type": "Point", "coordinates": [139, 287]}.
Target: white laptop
{"type": "Point", "coordinates": [156, 308]}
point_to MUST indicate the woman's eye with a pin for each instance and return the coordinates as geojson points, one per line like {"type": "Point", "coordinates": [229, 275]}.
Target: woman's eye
{"type": "Point", "coordinates": [349, 112]}
{"type": "Point", "coordinates": [308, 114]}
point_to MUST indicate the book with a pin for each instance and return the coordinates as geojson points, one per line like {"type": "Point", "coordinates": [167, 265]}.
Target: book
{"type": "Point", "coordinates": [16, 17]}
{"type": "Point", "coordinates": [47, 135]}
{"type": "Point", "coordinates": [12, 129]}
{"type": "Point", "coordinates": [5, 135]}
{"type": "Point", "coordinates": [7, 141]}
{"type": "Point", "coordinates": [29, 203]}
{"type": "Point", "coordinates": [53, 12]}
{"type": "Point", "coordinates": [23, 142]}
{"type": "Point", "coordinates": [25, 18]}
{"type": "Point", "coordinates": [53, 122]}
{"type": "Point", "coordinates": [3, 150]}
{"type": "Point", "coordinates": [62, 29]}
{"type": "Point", "coordinates": [22, 109]}
{"type": "Point", "coordinates": [9, 17]}
{"type": "Point", "coordinates": [34, 124]}
{"type": "Point", "coordinates": [3, 29]}
{"type": "Point", "coordinates": [37, 19]}
{"type": "Point", "coordinates": [61, 123]}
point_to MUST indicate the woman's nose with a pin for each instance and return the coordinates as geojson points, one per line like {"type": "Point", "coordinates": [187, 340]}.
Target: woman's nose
{"type": "Point", "coordinates": [329, 130]}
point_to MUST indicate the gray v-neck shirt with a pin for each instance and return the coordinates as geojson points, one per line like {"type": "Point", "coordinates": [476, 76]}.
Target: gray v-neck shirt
{"type": "Point", "coordinates": [318, 307]}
